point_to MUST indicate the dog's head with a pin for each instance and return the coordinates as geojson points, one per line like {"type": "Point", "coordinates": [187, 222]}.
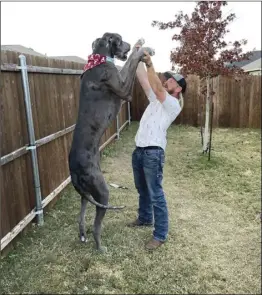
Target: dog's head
{"type": "Point", "coordinates": [111, 44]}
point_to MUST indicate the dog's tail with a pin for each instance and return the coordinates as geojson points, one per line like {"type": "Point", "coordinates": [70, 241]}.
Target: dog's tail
{"type": "Point", "coordinates": [92, 201]}
{"type": "Point", "coordinates": [88, 196]}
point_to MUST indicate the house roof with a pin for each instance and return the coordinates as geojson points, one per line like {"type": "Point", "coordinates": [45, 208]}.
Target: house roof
{"type": "Point", "coordinates": [76, 59]}
{"type": "Point", "coordinates": [30, 51]}
{"type": "Point", "coordinates": [70, 58]}
{"type": "Point", "coordinates": [21, 49]}
{"type": "Point", "coordinates": [255, 55]}
{"type": "Point", "coordinates": [255, 65]}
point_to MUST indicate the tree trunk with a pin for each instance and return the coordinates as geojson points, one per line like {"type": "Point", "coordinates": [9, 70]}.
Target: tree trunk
{"type": "Point", "coordinates": [201, 128]}
{"type": "Point", "coordinates": [211, 128]}
{"type": "Point", "coordinates": [207, 118]}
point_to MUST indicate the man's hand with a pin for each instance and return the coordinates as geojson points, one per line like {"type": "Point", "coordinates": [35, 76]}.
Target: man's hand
{"type": "Point", "coordinates": [147, 59]}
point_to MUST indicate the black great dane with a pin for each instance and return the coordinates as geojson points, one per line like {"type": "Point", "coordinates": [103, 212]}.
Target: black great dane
{"type": "Point", "coordinates": [102, 90]}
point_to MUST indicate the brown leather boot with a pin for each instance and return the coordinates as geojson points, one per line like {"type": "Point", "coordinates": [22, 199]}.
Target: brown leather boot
{"type": "Point", "coordinates": [153, 244]}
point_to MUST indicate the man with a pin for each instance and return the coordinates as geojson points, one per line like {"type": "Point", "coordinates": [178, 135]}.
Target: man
{"type": "Point", "coordinates": [149, 155]}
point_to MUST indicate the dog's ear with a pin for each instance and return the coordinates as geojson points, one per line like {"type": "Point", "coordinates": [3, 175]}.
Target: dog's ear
{"type": "Point", "coordinates": [116, 40]}
{"type": "Point", "coordinates": [114, 43]}
{"type": "Point", "coordinates": [94, 44]}
{"type": "Point", "coordinates": [112, 39]}
{"type": "Point", "coordinates": [107, 36]}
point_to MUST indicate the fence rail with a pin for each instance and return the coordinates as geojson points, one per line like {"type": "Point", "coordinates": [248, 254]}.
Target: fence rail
{"type": "Point", "coordinates": [34, 192]}
{"type": "Point", "coordinates": [34, 69]}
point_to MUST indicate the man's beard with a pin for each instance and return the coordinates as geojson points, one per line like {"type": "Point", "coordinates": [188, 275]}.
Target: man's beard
{"type": "Point", "coordinates": [168, 90]}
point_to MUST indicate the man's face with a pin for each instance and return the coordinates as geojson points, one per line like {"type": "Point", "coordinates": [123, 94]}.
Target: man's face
{"type": "Point", "coordinates": [171, 86]}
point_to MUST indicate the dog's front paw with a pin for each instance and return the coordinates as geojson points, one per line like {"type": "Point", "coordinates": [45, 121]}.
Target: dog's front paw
{"type": "Point", "coordinates": [150, 50]}
{"type": "Point", "coordinates": [141, 51]}
{"type": "Point", "coordinates": [140, 42]}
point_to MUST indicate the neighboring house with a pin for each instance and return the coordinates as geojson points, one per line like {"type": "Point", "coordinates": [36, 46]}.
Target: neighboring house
{"type": "Point", "coordinates": [22, 49]}
{"type": "Point", "coordinates": [253, 68]}
{"type": "Point", "coordinates": [76, 59]}
{"type": "Point", "coordinates": [25, 50]}
{"type": "Point", "coordinates": [251, 65]}
{"type": "Point", "coordinates": [255, 55]}
{"type": "Point", "coordinates": [70, 58]}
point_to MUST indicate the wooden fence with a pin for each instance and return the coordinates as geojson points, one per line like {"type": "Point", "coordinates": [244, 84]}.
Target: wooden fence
{"type": "Point", "coordinates": [237, 102]}
{"type": "Point", "coordinates": [54, 91]}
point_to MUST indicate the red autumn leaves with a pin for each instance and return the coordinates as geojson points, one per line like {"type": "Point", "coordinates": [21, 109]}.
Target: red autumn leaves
{"type": "Point", "coordinates": [203, 50]}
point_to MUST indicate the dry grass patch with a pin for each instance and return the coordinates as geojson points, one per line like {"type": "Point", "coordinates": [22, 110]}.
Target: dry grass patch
{"type": "Point", "coordinates": [214, 240]}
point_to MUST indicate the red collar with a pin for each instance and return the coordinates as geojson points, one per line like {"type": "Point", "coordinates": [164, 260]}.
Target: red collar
{"type": "Point", "coordinates": [94, 60]}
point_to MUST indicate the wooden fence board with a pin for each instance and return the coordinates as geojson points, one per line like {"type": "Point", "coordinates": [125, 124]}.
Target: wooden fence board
{"type": "Point", "coordinates": [255, 104]}
{"type": "Point", "coordinates": [17, 187]}
{"type": "Point", "coordinates": [234, 93]}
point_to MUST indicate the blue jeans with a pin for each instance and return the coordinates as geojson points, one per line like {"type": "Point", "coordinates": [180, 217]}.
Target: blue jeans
{"type": "Point", "coordinates": [148, 175]}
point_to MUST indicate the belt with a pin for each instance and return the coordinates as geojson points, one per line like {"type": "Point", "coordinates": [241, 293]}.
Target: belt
{"type": "Point", "coordinates": [149, 148]}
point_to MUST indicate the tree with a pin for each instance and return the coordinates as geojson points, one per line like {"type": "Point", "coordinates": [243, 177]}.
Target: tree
{"type": "Point", "coordinates": [203, 50]}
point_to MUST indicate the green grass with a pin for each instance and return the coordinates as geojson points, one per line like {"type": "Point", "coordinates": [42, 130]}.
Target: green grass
{"type": "Point", "coordinates": [214, 239]}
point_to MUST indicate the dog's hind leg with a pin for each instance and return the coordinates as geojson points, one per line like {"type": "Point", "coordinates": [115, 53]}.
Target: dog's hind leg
{"type": "Point", "coordinates": [100, 192]}
{"type": "Point", "coordinates": [82, 227]}
{"type": "Point", "coordinates": [100, 214]}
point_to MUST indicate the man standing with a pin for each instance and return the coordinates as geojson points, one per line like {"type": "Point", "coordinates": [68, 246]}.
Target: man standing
{"type": "Point", "coordinates": [149, 155]}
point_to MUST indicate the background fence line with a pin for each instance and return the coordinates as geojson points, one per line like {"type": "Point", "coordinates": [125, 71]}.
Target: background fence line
{"type": "Point", "coordinates": [237, 102]}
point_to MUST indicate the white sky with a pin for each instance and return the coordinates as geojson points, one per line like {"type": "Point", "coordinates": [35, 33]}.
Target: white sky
{"type": "Point", "coordinates": [69, 28]}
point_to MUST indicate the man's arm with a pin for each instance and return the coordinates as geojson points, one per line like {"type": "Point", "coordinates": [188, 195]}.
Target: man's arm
{"type": "Point", "coordinates": [155, 82]}
{"type": "Point", "coordinates": [171, 104]}
{"type": "Point", "coordinates": [143, 80]}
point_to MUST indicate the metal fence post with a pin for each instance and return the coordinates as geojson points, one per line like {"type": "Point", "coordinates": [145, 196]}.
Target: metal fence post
{"type": "Point", "coordinates": [117, 126]}
{"type": "Point", "coordinates": [129, 114]}
{"type": "Point", "coordinates": [32, 143]}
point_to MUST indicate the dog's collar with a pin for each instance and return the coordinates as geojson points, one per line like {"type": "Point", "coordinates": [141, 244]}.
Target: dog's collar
{"type": "Point", "coordinates": [97, 59]}
{"type": "Point", "coordinates": [110, 59]}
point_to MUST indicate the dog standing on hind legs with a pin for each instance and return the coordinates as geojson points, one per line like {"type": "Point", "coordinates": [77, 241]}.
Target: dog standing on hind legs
{"type": "Point", "coordinates": [102, 89]}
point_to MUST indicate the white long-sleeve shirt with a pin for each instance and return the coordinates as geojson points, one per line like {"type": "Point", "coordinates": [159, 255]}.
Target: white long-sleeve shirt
{"type": "Point", "coordinates": [156, 120]}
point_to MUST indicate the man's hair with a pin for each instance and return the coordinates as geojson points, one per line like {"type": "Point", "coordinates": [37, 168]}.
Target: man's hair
{"type": "Point", "coordinates": [179, 79]}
